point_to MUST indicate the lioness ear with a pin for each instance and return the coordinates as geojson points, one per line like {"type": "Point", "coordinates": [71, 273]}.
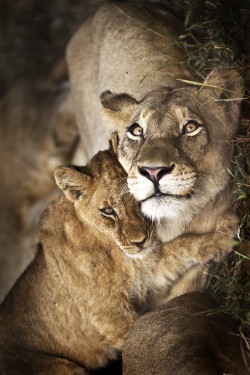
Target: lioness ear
{"type": "Point", "coordinates": [226, 84]}
{"type": "Point", "coordinates": [72, 181]}
{"type": "Point", "coordinates": [118, 107]}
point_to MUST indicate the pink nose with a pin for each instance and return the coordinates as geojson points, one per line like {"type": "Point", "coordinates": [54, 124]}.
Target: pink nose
{"type": "Point", "coordinates": [153, 172]}
{"type": "Point", "coordinates": [156, 173]}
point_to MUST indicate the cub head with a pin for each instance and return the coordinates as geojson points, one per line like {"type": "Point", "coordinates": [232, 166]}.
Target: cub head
{"type": "Point", "coordinates": [101, 198]}
{"type": "Point", "coordinates": [176, 143]}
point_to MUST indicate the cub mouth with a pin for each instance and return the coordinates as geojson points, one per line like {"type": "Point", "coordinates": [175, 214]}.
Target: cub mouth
{"type": "Point", "coordinates": [142, 252]}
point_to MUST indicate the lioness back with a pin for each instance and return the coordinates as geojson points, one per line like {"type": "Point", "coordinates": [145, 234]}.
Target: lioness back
{"type": "Point", "coordinates": [124, 47]}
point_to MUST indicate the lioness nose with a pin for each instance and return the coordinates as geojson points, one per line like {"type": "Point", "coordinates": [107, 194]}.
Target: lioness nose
{"type": "Point", "coordinates": [156, 173]}
{"type": "Point", "coordinates": [139, 243]}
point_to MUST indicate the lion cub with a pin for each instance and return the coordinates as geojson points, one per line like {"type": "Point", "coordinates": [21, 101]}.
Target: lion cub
{"type": "Point", "coordinates": [97, 264]}
{"type": "Point", "coordinates": [72, 309]}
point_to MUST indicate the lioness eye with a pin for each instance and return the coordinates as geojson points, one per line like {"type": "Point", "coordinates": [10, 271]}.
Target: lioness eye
{"type": "Point", "coordinates": [109, 211]}
{"type": "Point", "coordinates": [191, 127]}
{"type": "Point", "coordinates": [135, 130]}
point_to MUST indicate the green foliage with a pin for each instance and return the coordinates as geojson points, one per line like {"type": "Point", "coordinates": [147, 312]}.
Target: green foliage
{"type": "Point", "coordinates": [217, 35]}
{"type": "Point", "coordinates": [241, 176]}
{"type": "Point", "coordinates": [217, 32]}
{"type": "Point", "coordinates": [229, 284]}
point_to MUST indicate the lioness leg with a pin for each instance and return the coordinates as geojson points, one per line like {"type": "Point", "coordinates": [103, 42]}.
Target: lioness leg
{"type": "Point", "coordinates": [181, 338]}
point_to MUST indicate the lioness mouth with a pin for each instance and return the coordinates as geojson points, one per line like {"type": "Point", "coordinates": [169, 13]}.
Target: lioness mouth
{"type": "Point", "coordinates": [158, 195]}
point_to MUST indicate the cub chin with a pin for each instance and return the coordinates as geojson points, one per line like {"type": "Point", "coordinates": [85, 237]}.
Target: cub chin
{"type": "Point", "coordinates": [98, 266]}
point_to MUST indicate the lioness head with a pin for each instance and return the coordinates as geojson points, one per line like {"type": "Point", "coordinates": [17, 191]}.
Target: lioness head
{"type": "Point", "coordinates": [176, 144]}
{"type": "Point", "coordinates": [101, 199]}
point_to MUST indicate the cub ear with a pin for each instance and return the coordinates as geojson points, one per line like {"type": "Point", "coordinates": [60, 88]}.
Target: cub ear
{"type": "Point", "coordinates": [118, 107]}
{"type": "Point", "coordinates": [72, 180]}
{"type": "Point", "coordinates": [226, 84]}
{"type": "Point", "coordinates": [113, 142]}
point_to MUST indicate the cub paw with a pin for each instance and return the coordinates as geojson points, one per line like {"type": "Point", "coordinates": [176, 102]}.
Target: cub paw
{"type": "Point", "coordinates": [228, 223]}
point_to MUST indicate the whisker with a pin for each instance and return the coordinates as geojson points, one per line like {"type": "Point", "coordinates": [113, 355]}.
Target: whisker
{"type": "Point", "coordinates": [226, 233]}
{"type": "Point", "coordinates": [126, 198]}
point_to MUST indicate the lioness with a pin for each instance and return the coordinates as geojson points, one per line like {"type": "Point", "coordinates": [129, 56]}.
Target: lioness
{"type": "Point", "coordinates": [174, 139]}
{"type": "Point", "coordinates": [97, 268]}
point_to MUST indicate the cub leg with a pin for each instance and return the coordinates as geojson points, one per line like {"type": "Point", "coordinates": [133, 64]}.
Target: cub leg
{"type": "Point", "coordinates": [203, 248]}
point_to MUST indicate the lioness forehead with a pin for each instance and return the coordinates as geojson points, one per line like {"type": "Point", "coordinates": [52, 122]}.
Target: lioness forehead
{"type": "Point", "coordinates": [166, 113]}
{"type": "Point", "coordinates": [172, 112]}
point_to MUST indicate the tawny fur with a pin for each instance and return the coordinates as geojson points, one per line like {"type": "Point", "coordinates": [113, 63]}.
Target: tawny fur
{"type": "Point", "coordinates": [98, 267]}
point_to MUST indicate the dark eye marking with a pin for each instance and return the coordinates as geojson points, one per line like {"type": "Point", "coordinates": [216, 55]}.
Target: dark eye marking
{"type": "Point", "coordinates": [109, 211]}
{"type": "Point", "coordinates": [135, 129]}
{"type": "Point", "coordinates": [192, 127]}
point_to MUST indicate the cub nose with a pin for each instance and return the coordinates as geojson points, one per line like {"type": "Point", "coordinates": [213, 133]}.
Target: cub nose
{"type": "Point", "coordinates": [139, 243]}
{"type": "Point", "coordinates": [156, 173]}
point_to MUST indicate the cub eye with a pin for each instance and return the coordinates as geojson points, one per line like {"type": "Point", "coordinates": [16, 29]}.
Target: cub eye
{"type": "Point", "coordinates": [108, 211]}
{"type": "Point", "coordinates": [135, 130]}
{"type": "Point", "coordinates": [191, 128]}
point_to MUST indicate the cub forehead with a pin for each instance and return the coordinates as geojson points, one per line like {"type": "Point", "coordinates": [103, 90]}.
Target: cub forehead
{"type": "Point", "coordinates": [105, 169]}
{"type": "Point", "coordinates": [107, 188]}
